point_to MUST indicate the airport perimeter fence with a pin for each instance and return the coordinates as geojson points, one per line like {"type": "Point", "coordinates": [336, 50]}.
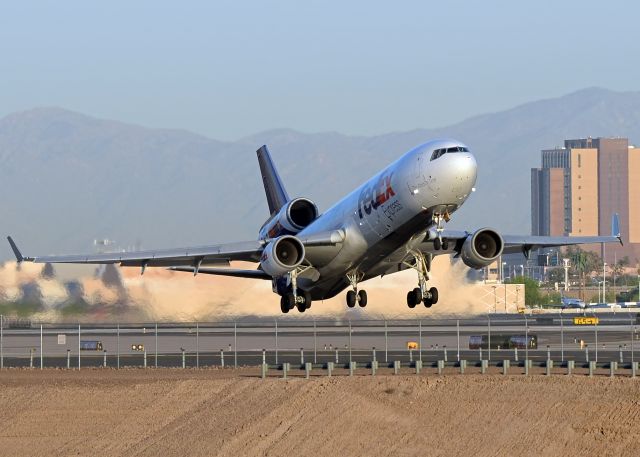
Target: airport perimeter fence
{"type": "Point", "coordinates": [567, 339]}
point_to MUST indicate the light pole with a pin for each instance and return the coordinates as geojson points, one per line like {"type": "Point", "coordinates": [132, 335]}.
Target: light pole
{"type": "Point", "coordinates": [604, 282]}
{"type": "Point", "coordinates": [495, 300]}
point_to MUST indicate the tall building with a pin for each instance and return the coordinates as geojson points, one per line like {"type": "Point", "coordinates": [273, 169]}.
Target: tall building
{"type": "Point", "coordinates": [580, 186]}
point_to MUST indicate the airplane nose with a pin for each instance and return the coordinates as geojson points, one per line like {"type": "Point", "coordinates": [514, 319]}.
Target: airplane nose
{"type": "Point", "coordinates": [463, 173]}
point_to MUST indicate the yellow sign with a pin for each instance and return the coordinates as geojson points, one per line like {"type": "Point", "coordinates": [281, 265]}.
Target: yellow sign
{"type": "Point", "coordinates": [585, 321]}
{"type": "Point", "coordinates": [412, 345]}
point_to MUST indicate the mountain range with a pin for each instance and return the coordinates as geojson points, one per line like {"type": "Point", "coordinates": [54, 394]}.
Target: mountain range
{"type": "Point", "coordinates": [67, 179]}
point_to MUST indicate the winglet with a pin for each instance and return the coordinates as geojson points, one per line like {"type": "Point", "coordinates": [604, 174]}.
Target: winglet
{"type": "Point", "coordinates": [16, 251]}
{"type": "Point", "coordinates": [615, 228]}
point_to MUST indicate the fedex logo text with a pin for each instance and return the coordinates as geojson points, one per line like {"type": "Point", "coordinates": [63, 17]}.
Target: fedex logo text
{"type": "Point", "coordinates": [372, 197]}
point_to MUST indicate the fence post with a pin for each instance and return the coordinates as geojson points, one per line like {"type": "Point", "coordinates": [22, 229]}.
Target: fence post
{"type": "Point", "coordinates": [634, 369]}
{"type": "Point", "coordinates": [104, 360]}
{"type": "Point", "coordinates": [264, 356]}
{"type": "Point", "coordinates": [222, 358]}
{"type": "Point", "coordinates": [458, 337]}
{"type": "Point", "coordinates": [373, 350]}
{"type": "Point", "coordinates": [79, 346]}
{"type": "Point", "coordinates": [329, 368]}
{"type": "Point", "coordinates": [197, 345]}
{"type": "Point", "coordinates": [549, 367]}
{"type": "Point", "coordinates": [285, 369]}
{"type": "Point", "coordinates": [315, 342]}
{"type": "Point", "coordinates": [386, 343]}
{"type": "Point", "coordinates": [336, 355]}
{"type": "Point", "coordinates": [613, 366]}
{"type": "Point", "coordinates": [235, 344]}
{"type": "Point", "coordinates": [41, 347]}
{"type": "Point", "coordinates": [440, 366]}
{"type": "Point", "coordinates": [570, 366]}
{"type": "Point", "coordinates": [263, 373]}
{"type": "Point", "coordinates": [155, 359]}
{"type": "Point", "coordinates": [276, 335]}
{"type": "Point", "coordinates": [118, 345]}
{"type": "Point", "coordinates": [184, 359]}
{"type": "Point", "coordinates": [483, 366]}
{"type": "Point", "coordinates": [418, 366]}
{"type": "Point", "coordinates": [445, 353]}
{"type": "Point", "coordinates": [352, 367]}
{"type": "Point", "coordinates": [505, 367]}
{"type": "Point", "coordinates": [620, 347]}
{"type": "Point", "coordinates": [31, 357]}
{"type": "Point", "coordinates": [396, 367]}
{"type": "Point", "coordinates": [307, 370]}
{"type": "Point", "coordinates": [301, 356]}
{"type": "Point", "coordinates": [463, 365]}
{"type": "Point", "coordinates": [374, 367]}
{"type": "Point", "coordinates": [145, 358]}
{"type": "Point", "coordinates": [592, 367]}
{"type": "Point", "coordinates": [68, 359]}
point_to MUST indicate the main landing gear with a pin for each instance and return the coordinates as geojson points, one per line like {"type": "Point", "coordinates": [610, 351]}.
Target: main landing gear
{"type": "Point", "coordinates": [295, 297]}
{"type": "Point", "coordinates": [355, 296]}
{"type": "Point", "coordinates": [301, 300]}
{"type": "Point", "coordinates": [421, 294]}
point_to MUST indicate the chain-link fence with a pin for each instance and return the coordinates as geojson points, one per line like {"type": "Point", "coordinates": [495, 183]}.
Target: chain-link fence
{"type": "Point", "coordinates": [581, 338]}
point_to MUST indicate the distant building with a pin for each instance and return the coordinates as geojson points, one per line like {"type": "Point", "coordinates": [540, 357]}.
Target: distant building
{"type": "Point", "coordinates": [580, 186]}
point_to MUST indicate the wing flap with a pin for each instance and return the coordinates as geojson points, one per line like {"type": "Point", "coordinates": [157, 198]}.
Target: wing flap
{"type": "Point", "coordinates": [251, 274]}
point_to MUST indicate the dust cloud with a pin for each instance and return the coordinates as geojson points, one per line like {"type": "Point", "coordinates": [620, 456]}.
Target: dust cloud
{"type": "Point", "coordinates": [107, 293]}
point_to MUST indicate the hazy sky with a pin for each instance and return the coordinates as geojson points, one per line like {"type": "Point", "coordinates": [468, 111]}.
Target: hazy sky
{"type": "Point", "coordinates": [228, 69]}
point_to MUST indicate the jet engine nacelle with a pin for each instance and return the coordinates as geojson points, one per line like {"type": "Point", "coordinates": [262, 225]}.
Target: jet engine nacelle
{"type": "Point", "coordinates": [292, 217]}
{"type": "Point", "coordinates": [481, 248]}
{"type": "Point", "coordinates": [282, 255]}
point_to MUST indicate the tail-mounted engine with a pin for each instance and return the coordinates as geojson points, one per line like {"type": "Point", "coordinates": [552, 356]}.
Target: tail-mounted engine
{"type": "Point", "coordinates": [481, 248]}
{"type": "Point", "coordinates": [282, 255]}
{"type": "Point", "coordinates": [292, 217]}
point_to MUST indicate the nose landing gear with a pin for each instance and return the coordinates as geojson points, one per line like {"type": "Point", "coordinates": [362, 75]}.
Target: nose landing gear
{"type": "Point", "coordinates": [439, 220]}
{"type": "Point", "coordinates": [421, 294]}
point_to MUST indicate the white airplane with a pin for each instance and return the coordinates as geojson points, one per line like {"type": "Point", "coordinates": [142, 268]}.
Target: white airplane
{"type": "Point", "coordinates": [393, 222]}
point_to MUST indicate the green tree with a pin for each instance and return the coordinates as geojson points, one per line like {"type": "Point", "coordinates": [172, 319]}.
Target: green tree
{"type": "Point", "coordinates": [532, 295]}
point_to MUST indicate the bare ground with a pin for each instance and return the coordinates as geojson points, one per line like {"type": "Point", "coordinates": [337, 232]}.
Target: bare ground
{"type": "Point", "coordinates": [172, 412]}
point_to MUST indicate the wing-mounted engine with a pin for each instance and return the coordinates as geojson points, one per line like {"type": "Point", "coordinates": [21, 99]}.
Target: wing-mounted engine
{"type": "Point", "coordinates": [292, 217]}
{"type": "Point", "coordinates": [481, 248]}
{"type": "Point", "coordinates": [282, 255]}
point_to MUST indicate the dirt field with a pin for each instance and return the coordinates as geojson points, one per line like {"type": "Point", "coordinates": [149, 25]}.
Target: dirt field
{"type": "Point", "coordinates": [234, 413]}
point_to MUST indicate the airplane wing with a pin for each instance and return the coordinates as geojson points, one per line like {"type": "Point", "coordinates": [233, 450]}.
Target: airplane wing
{"type": "Point", "coordinates": [218, 254]}
{"type": "Point", "coordinates": [192, 258]}
{"type": "Point", "coordinates": [526, 243]}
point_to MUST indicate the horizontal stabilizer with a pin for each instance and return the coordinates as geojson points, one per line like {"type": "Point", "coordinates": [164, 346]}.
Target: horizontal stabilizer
{"type": "Point", "coordinates": [615, 227]}
{"type": "Point", "coordinates": [251, 274]}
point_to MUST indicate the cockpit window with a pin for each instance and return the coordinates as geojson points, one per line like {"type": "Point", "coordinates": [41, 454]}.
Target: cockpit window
{"type": "Point", "coordinates": [439, 152]}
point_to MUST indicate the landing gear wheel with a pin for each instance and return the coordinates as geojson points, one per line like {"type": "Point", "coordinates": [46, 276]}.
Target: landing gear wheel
{"type": "Point", "coordinates": [307, 299]}
{"type": "Point", "coordinates": [351, 299]}
{"type": "Point", "coordinates": [411, 299]}
{"type": "Point", "coordinates": [362, 298]}
{"type": "Point", "coordinates": [301, 307]}
{"type": "Point", "coordinates": [437, 244]}
{"type": "Point", "coordinates": [434, 295]}
{"type": "Point", "coordinates": [284, 304]}
{"type": "Point", "coordinates": [445, 244]}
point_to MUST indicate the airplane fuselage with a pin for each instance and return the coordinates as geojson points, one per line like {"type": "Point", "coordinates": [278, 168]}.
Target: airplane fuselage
{"type": "Point", "coordinates": [384, 218]}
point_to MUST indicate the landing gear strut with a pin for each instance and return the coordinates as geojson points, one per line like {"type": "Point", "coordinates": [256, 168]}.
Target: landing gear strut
{"type": "Point", "coordinates": [421, 294]}
{"type": "Point", "coordinates": [356, 296]}
{"type": "Point", "coordinates": [295, 297]}
{"type": "Point", "coordinates": [439, 242]}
